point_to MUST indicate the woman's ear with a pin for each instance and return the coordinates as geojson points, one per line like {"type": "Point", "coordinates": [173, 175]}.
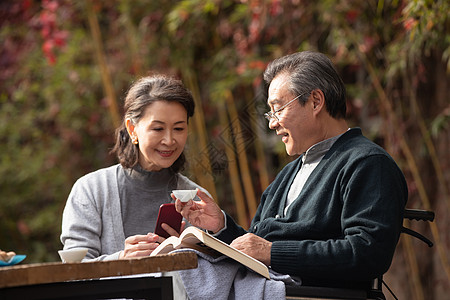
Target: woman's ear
{"type": "Point", "coordinates": [130, 128]}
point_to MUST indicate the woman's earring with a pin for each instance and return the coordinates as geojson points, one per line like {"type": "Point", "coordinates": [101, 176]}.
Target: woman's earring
{"type": "Point", "coordinates": [134, 140]}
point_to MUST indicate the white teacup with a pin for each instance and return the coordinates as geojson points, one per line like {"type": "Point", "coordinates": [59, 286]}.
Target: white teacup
{"type": "Point", "coordinates": [184, 195]}
{"type": "Point", "coordinates": [72, 255]}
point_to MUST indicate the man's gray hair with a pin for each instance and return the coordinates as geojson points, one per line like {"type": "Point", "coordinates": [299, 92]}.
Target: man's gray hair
{"type": "Point", "coordinates": [308, 71]}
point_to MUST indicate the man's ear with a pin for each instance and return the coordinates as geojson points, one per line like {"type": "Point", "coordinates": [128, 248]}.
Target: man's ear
{"type": "Point", "coordinates": [318, 100]}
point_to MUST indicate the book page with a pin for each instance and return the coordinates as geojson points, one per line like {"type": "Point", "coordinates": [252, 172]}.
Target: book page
{"type": "Point", "coordinates": [195, 238]}
{"type": "Point", "coordinates": [192, 242]}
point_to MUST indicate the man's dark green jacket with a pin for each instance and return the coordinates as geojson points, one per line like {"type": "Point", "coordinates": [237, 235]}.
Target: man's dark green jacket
{"type": "Point", "coordinates": [346, 222]}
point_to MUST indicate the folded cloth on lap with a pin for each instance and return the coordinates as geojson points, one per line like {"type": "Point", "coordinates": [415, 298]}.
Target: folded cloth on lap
{"type": "Point", "coordinates": [223, 278]}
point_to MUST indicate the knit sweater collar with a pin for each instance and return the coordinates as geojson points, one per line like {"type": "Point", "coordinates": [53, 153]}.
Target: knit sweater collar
{"type": "Point", "coordinates": [137, 175]}
{"type": "Point", "coordinates": [317, 151]}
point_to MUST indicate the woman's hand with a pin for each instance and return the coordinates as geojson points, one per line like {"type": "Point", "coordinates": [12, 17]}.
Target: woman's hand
{"type": "Point", "coordinates": [140, 245]}
{"type": "Point", "coordinates": [205, 214]}
{"type": "Point", "coordinates": [6, 256]}
{"type": "Point", "coordinates": [143, 245]}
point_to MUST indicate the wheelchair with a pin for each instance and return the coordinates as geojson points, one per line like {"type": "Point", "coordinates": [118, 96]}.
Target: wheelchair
{"type": "Point", "coordinates": [375, 290]}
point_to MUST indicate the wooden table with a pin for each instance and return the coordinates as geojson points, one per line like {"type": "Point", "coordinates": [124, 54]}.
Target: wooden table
{"type": "Point", "coordinates": [81, 280]}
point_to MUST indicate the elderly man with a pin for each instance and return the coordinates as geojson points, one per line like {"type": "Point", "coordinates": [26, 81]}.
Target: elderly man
{"type": "Point", "coordinates": [333, 216]}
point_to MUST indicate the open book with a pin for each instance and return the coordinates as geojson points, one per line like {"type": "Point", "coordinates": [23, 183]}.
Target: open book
{"type": "Point", "coordinates": [194, 238]}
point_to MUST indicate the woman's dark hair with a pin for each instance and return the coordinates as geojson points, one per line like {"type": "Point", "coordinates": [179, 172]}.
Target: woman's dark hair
{"type": "Point", "coordinates": [308, 71]}
{"type": "Point", "coordinates": [141, 94]}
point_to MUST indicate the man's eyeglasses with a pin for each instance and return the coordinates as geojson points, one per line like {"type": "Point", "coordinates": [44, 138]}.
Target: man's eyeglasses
{"type": "Point", "coordinates": [269, 115]}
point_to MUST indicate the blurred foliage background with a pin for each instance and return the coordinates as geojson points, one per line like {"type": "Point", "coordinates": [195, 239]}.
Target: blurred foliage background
{"type": "Point", "coordinates": [65, 67]}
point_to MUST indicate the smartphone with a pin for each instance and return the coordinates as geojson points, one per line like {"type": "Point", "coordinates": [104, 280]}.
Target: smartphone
{"type": "Point", "coordinates": [168, 214]}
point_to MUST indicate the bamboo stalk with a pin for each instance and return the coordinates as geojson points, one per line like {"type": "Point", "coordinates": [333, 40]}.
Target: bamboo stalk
{"type": "Point", "coordinates": [132, 36]}
{"type": "Point", "coordinates": [205, 176]}
{"type": "Point", "coordinates": [425, 201]}
{"type": "Point", "coordinates": [432, 151]}
{"type": "Point", "coordinates": [416, 284]}
{"type": "Point", "coordinates": [240, 147]}
{"type": "Point", "coordinates": [233, 170]}
{"type": "Point", "coordinates": [412, 166]}
{"type": "Point", "coordinates": [260, 155]}
{"type": "Point", "coordinates": [104, 71]}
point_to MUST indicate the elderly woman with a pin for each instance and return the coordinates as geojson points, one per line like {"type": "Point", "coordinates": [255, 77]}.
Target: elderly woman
{"type": "Point", "coordinates": [113, 211]}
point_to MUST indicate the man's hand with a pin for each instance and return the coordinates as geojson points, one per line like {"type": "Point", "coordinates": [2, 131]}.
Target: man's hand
{"type": "Point", "coordinates": [205, 214]}
{"type": "Point", "coordinates": [255, 246]}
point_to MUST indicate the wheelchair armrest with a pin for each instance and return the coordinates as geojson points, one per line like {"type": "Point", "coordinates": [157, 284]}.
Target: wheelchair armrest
{"type": "Point", "coordinates": [417, 236]}
{"type": "Point", "coordinates": [418, 214]}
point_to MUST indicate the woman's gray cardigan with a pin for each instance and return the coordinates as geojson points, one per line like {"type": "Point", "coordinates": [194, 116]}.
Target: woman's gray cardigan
{"type": "Point", "coordinates": [92, 216]}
